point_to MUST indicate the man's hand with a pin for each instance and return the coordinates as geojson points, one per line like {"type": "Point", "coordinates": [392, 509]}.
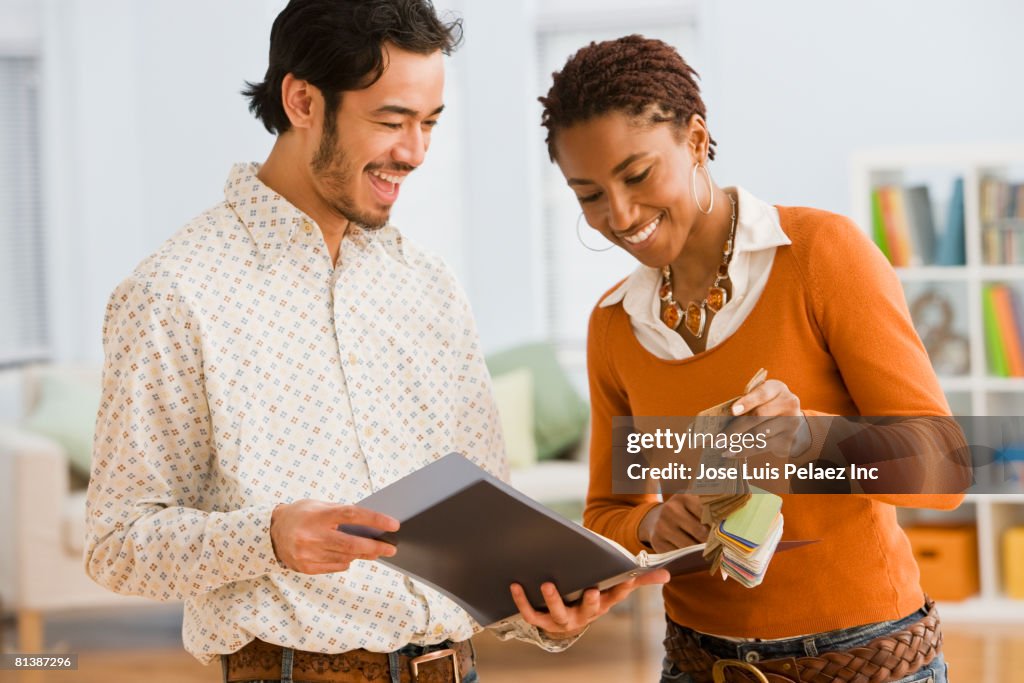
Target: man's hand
{"type": "Point", "coordinates": [306, 538]}
{"type": "Point", "coordinates": [560, 621]}
{"type": "Point", "coordinates": [674, 524]}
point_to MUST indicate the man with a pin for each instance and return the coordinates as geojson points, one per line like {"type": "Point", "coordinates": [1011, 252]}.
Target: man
{"type": "Point", "coordinates": [288, 353]}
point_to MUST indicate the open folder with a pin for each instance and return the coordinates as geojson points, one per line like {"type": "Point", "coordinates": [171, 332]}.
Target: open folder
{"type": "Point", "coordinates": [470, 535]}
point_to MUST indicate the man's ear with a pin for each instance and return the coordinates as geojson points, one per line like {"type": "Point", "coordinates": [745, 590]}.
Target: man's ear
{"type": "Point", "coordinates": [302, 101]}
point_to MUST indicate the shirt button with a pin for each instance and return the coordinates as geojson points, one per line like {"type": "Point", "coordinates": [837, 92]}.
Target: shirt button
{"type": "Point", "coordinates": [307, 226]}
{"type": "Point", "coordinates": [352, 359]}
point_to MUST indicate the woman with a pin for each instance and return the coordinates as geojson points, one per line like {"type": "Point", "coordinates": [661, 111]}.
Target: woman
{"type": "Point", "coordinates": [727, 284]}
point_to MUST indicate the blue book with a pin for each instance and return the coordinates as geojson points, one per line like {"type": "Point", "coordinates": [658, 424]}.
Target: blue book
{"type": "Point", "coordinates": [950, 249]}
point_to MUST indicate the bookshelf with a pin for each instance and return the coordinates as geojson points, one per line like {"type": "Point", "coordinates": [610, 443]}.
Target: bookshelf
{"type": "Point", "coordinates": [950, 295]}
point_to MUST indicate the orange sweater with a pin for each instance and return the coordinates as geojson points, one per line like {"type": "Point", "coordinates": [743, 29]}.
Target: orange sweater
{"type": "Point", "coordinates": [833, 325]}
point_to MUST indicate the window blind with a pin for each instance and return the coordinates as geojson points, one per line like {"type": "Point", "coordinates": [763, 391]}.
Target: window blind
{"type": "Point", "coordinates": [23, 326]}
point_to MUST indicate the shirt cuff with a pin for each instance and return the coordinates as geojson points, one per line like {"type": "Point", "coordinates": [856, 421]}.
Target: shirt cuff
{"type": "Point", "coordinates": [240, 541]}
{"type": "Point", "coordinates": [516, 627]}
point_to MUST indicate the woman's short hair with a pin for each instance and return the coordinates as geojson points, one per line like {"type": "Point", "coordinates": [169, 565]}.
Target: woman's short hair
{"type": "Point", "coordinates": [336, 46]}
{"type": "Point", "coordinates": [640, 77]}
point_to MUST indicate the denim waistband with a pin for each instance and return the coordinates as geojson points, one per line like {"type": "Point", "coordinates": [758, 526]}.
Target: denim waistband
{"type": "Point", "coordinates": [802, 646]}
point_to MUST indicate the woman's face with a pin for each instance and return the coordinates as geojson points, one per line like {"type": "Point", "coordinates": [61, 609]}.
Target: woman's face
{"type": "Point", "coordinates": [632, 181]}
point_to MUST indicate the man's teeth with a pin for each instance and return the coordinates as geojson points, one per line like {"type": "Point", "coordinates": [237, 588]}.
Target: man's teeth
{"type": "Point", "coordinates": [638, 237]}
{"type": "Point", "coordinates": [387, 177]}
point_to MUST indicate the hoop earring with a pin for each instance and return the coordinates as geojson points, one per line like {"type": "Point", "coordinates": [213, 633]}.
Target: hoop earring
{"type": "Point", "coordinates": [693, 188]}
{"type": "Point", "coordinates": [580, 237]}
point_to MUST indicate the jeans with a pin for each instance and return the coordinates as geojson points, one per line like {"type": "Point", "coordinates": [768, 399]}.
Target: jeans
{"type": "Point", "coordinates": [393, 664]}
{"type": "Point", "coordinates": [810, 646]}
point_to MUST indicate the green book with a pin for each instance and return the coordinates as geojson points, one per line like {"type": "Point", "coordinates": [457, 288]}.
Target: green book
{"type": "Point", "coordinates": [878, 224]}
{"type": "Point", "coordinates": [997, 363]}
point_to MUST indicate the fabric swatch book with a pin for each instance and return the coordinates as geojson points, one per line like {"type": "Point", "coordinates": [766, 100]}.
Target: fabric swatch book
{"type": "Point", "coordinates": [470, 535]}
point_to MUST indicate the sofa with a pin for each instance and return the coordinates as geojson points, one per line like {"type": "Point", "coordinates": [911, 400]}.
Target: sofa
{"type": "Point", "coordinates": [546, 426]}
{"type": "Point", "coordinates": [45, 456]}
{"type": "Point", "coordinates": [42, 525]}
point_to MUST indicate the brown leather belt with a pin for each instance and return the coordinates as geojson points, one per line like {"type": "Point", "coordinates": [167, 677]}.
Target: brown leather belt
{"type": "Point", "coordinates": [259, 661]}
{"type": "Point", "coordinates": [886, 658]}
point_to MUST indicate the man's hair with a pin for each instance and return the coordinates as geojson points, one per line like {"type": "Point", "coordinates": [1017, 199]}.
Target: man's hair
{"type": "Point", "coordinates": [337, 45]}
{"type": "Point", "coordinates": [640, 77]}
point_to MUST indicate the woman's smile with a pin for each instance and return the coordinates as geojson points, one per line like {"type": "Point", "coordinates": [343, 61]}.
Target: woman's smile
{"type": "Point", "coordinates": [643, 236]}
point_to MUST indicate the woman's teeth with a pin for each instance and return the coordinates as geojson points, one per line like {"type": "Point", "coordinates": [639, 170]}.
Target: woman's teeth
{"type": "Point", "coordinates": [638, 237]}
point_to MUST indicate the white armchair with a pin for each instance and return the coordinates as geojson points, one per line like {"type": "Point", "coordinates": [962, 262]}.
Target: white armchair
{"type": "Point", "coordinates": [42, 528]}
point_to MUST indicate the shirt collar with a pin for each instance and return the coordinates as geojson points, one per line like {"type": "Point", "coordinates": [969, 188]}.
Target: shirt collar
{"type": "Point", "coordinates": [757, 229]}
{"type": "Point", "coordinates": [273, 222]}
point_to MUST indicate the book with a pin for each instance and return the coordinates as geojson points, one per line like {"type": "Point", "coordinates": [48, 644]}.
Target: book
{"type": "Point", "coordinates": [894, 218]}
{"type": "Point", "coordinates": [878, 224]}
{"type": "Point", "coordinates": [997, 363]}
{"type": "Point", "coordinates": [1006, 321]}
{"type": "Point", "coordinates": [950, 248]}
{"type": "Point", "coordinates": [921, 224]}
{"type": "Point", "coordinates": [470, 535]}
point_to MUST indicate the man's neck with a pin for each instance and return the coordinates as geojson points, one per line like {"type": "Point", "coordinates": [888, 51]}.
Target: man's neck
{"type": "Point", "coordinates": [285, 175]}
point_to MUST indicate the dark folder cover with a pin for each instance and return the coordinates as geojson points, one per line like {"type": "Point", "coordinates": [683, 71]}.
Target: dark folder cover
{"type": "Point", "coordinates": [470, 535]}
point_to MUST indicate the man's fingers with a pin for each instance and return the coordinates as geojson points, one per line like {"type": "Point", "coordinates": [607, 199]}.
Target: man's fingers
{"type": "Point", "coordinates": [655, 578]}
{"type": "Point", "coordinates": [335, 555]}
{"type": "Point", "coordinates": [556, 608]}
{"type": "Point", "coordinates": [591, 604]}
{"type": "Point", "coordinates": [353, 514]}
{"type": "Point", "coordinates": [356, 546]}
{"type": "Point", "coordinates": [522, 604]}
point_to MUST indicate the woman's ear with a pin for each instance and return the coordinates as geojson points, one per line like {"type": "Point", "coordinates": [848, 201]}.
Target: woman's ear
{"type": "Point", "coordinates": [697, 138]}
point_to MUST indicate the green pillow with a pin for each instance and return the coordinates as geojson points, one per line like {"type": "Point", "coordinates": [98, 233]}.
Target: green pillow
{"type": "Point", "coordinates": [66, 412]}
{"type": "Point", "coordinates": [559, 414]}
{"type": "Point", "coordinates": [513, 392]}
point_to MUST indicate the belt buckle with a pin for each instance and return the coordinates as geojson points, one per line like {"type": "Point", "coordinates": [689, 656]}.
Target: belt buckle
{"type": "Point", "coordinates": [435, 655]}
{"type": "Point", "coordinates": [718, 672]}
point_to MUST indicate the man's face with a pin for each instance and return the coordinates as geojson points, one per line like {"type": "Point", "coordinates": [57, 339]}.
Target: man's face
{"type": "Point", "coordinates": [378, 136]}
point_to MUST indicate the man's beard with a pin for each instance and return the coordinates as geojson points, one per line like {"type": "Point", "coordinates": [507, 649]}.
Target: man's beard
{"type": "Point", "coordinates": [335, 173]}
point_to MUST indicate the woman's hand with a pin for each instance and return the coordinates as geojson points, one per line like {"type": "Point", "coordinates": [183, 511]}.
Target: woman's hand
{"type": "Point", "coordinates": [785, 426]}
{"type": "Point", "coordinates": [674, 524]}
{"type": "Point", "coordinates": [561, 621]}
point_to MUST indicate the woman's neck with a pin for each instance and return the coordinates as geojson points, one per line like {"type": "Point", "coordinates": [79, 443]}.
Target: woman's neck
{"type": "Point", "coordinates": [697, 263]}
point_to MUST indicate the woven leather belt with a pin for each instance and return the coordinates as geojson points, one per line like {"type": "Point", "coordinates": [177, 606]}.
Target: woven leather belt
{"type": "Point", "coordinates": [259, 661]}
{"type": "Point", "coordinates": [886, 658]}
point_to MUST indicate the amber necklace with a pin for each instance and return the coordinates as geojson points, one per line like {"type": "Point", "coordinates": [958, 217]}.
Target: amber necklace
{"type": "Point", "coordinates": [696, 314]}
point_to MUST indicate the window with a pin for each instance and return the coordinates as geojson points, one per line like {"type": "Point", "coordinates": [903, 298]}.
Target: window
{"type": "Point", "coordinates": [576, 277]}
{"type": "Point", "coordinates": [23, 328]}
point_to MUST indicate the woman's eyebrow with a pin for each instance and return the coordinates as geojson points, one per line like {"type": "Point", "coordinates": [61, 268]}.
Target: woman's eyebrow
{"type": "Point", "coordinates": [618, 169]}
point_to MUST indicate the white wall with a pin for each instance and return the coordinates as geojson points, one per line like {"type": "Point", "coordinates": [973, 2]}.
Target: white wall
{"type": "Point", "coordinates": [795, 86]}
{"type": "Point", "coordinates": [143, 120]}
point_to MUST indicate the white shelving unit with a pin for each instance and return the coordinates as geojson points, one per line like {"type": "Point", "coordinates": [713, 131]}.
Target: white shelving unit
{"type": "Point", "coordinates": [975, 391]}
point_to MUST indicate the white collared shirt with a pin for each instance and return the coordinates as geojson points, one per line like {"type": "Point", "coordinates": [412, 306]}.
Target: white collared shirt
{"type": "Point", "coordinates": [244, 369]}
{"type": "Point", "coordinates": [758, 235]}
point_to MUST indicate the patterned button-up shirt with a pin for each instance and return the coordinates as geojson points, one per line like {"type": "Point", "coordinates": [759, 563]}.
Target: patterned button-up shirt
{"type": "Point", "coordinates": [243, 369]}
